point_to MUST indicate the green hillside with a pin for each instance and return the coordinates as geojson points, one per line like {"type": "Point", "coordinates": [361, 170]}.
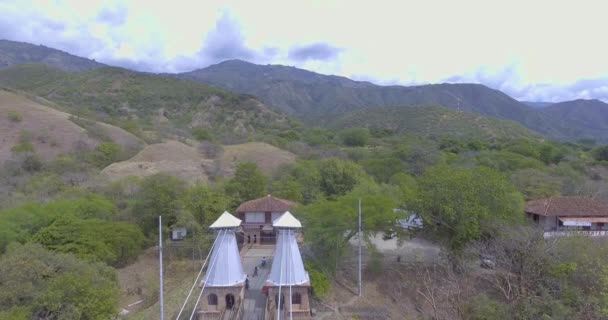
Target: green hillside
{"type": "Point", "coordinates": [119, 95]}
{"type": "Point", "coordinates": [433, 122]}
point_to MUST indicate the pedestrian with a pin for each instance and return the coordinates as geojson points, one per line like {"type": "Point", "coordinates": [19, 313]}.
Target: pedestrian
{"type": "Point", "coordinates": [247, 283]}
{"type": "Point", "coordinates": [255, 271]}
{"type": "Point", "coordinates": [263, 262]}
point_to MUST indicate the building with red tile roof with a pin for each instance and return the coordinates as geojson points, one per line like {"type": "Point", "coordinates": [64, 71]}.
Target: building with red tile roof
{"type": "Point", "coordinates": [569, 213]}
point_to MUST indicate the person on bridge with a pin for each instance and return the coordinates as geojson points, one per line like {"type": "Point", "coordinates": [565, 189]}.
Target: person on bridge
{"type": "Point", "coordinates": [263, 262]}
{"type": "Point", "coordinates": [255, 271]}
{"type": "Point", "coordinates": [247, 283]}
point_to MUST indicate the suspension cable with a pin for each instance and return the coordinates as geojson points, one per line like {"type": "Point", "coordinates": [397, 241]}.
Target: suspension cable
{"type": "Point", "coordinates": [198, 276]}
{"type": "Point", "coordinates": [214, 260]}
{"type": "Point", "coordinates": [281, 272]}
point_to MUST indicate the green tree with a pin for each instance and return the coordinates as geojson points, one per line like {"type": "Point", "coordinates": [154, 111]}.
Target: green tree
{"type": "Point", "coordinates": [115, 243]}
{"type": "Point", "coordinates": [105, 153]}
{"type": "Point", "coordinates": [330, 224]}
{"type": "Point", "coordinates": [459, 205]}
{"type": "Point", "coordinates": [201, 134]}
{"type": "Point", "coordinates": [337, 177]}
{"type": "Point", "coordinates": [355, 137]}
{"type": "Point", "coordinates": [382, 169]}
{"type": "Point", "coordinates": [21, 222]}
{"type": "Point", "coordinates": [288, 188]}
{"type": "Point", "coordinates": [51, 285]}
{"type": "Point", "coordinates": [248, 183]}
{"type": "Point", "coordinates": [159, 195]}
{"type": "Point", "coordinates": [205, 203]}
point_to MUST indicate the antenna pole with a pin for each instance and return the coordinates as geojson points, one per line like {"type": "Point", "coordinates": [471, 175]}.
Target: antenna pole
{"type": "Point", "coordinates": [360, 236]}
{"type": "Point", "coordinates": [160, 261]}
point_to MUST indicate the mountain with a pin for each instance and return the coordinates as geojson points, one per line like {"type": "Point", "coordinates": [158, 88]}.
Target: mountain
{"type": "Point", "coordinates": [578, 118]}
{"type": "Point", "coordinates": [304, 93]}
{"type": "Point", "coordinates": [537, 104]}
{"type": "Point", "coordinates": [433, 122]}
{"type": "Point", "coordinates": [318, 98]}
{"type": "Point", "coordinates": [151, 101]}
{"type": "Point", "coordinates": [12, 53]}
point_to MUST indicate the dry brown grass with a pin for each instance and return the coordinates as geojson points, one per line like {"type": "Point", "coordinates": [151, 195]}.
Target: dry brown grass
{"type": "Point", "coordinates": [267, 157]}
{"type": "Point", "coordinates": [171, 157]}
{"type": "Point", "coordinates": [51, 131]}
{"type": "Point", "coordinates": [188, 163]}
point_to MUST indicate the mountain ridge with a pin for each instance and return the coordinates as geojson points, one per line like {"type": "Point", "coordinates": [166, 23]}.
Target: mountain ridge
{"type": "Point", "coordinates": [14, 52]}
{"type": "Point", "coordinates": [310, 96]}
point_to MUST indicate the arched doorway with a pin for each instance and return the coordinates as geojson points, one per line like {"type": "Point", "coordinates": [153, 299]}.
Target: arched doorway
{"type": "Point", "coordinates": [212, 301]}
{"type": "Point", "coordinates": [229, 301]}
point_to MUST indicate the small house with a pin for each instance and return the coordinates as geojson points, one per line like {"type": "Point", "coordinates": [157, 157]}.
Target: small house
{"type": "Point", "coordinates": [567, 215]}
{"type": "Point", "coordinates": [258, 216]}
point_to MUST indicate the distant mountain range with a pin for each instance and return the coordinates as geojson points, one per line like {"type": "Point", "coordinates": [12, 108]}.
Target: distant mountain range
{"type": "Point", "coordinates": [311, 96]}
{"type": "Point", "coordinates": [537, 104]}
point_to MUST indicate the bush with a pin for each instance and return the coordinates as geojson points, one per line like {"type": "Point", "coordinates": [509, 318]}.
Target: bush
{"type": "Point", "coordinates": [355, 137]}
{"type": "Point", "coordinates": [105, 153]}
{"type": "Point", "coordinates": [14, 116]}
{"type": "Point", "coordinates": [201, 134]}
{"type": "Point", "coordinates": [318, 280]}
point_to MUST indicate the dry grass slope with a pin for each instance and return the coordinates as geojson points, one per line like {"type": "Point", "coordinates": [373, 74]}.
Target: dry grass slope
{"type": "Point", "coordinates": [267, 157]}
{"type": "Point", "coordinates": [171, 157]}
{"type": "Point", "coordinates": [51, 132]}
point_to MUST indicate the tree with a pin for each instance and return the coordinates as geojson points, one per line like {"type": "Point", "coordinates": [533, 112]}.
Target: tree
{"type": "Point", "coordinates": [159, 195]}
{"type": "Point", "coordinates": [288, 188]}
{"type": "Point", "coordinates": [115, 243]}
{"type": "Point", "coordinates": [21, 222]}
{"type": "Point", "coordinates": [337, 177]}
{"type": "Point", "coordinates": [382, 169]}
{"type": "Point", "coordinates": [50, 285]}
{"type": "Point", "coordinates": [105, 153]}
{"type": "Point", "coordinates": [330, 224]}
{"type": "Point", "coordinates": [248, 183]}
{"type": "Point", "coordinates": [205, 203]}
{"type": "Point", "coordinates": [418, 155]}
{"type": "Point", "coordinates": [355, 137]}
{"type": "Point", "coordinates": [459, 205]}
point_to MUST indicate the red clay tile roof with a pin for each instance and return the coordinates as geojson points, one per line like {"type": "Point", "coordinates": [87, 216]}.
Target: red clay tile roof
{"type": "Point", "coordinates": [568, 207]}
{"type": "Point", "coordinates": [265, 204]}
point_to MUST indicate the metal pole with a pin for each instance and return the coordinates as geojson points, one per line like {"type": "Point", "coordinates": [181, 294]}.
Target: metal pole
{"type": "Point", "coordinates": [160, 261]}
{"type": "Point", "coordinates": [360, 236]}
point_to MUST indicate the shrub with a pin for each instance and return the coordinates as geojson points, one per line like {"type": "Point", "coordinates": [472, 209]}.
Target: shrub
{"type": "Point", "coordinates": [105, 153]}
{"type": "Point", "coordinates": [201, 134]}
{"type": "Point", "coordinates": [318, 280]}
{"type": "Point", "coordinates": [355, 137]}
{"type": "Point", "coordinates": [14, 116]}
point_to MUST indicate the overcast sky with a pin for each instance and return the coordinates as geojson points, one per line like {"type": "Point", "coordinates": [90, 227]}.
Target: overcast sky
{"type": "Point", "coordinates": [534, 50]}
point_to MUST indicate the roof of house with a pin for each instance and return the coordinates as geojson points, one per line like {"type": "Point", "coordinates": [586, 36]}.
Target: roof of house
{"type": "Point", "coordinates": [287, 220]}
{"type": "Point", "coordinates": [573, 206]}
{"type": "Point", "coordinates": [266, 204]}
{"type": "Point", "coordinates": [226, 220]}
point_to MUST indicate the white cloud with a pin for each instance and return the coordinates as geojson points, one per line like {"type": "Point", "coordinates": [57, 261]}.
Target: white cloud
{"type": "Point", "coordinates": [536, 50]}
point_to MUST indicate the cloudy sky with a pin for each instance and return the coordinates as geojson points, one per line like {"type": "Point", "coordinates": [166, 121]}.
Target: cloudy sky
{"type": "Point", "coordinates": [534, 50]}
